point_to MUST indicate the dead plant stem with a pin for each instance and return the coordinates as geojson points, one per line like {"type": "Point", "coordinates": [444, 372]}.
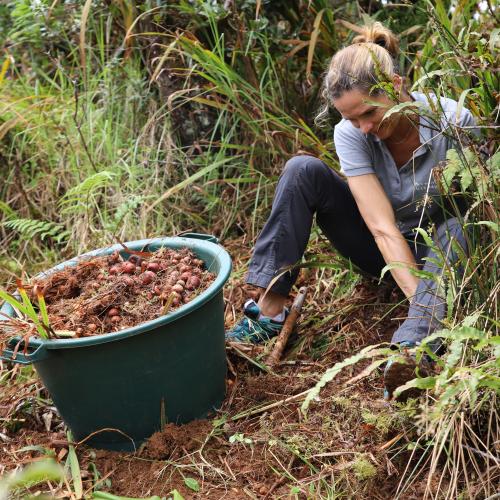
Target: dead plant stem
{"type": "Point", "coordinates": [296, 397]}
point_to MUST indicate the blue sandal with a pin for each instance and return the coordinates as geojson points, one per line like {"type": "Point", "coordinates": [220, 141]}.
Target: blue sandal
{"type": "Point", "coordinates": [253, 329]}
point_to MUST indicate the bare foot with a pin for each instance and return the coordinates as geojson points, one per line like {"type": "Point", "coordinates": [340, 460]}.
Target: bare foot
{"type": "Point", "coordinates": [271, 304]}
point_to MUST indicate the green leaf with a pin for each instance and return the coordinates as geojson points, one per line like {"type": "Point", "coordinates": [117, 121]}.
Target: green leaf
{"type": "Point", "coordinates": [450, 301]}
{"type": "Point", "coordinates": [491, 382]}
{"type": "Point", "coordinates": [452, 389]}
{"type": "Point", "coordinates": [492, 225]}
{"type": "Point", "coordinates": [454, 354]}
{"type": "Point", "coordinates": [494, 164]}
{"type": "Point", "coordinates": [37, 472]}
{"type": "Point", "coordinates": [471, 320]}
{"type": "Point", "coordinates": [14, 303]}
{"type": "Point", "coordinates": [452, 168]}
{"type": "Point", "coordinates": [461, 333]}
{"type": "Point", "coordinates": [466, 178]}
{"type": "Point", "coordinates": [7, 210]}
{"type": "Point", "coordinates": [43, 309]}
{"type": "Point", "coordinates": [418, 383]}
{"type": "Point", "coordinates": [431, 74]}
{"type": "Point", "coordinates": [460, 103]}
{"type": "Point", "coordinates": [192, 483]}
{"type": "Point", "coordinates": [402, 265]}
{"type": "Point", "coordinates": [74, 466]}
{"type": "Point", "coordinates": [189, 180]}
{"type": "Point", "coordinates": [472, 383]}
{"type": "Point", "coordinates": [425, 235]}
{"type": "Point", "coordinates": [401, 107]}
{"type": "Point", "coordinates": [494, 40]}
{"type": "Point", "coordinates": [39, 448]}
{"type": "Point", "coordinates": [30, 311]}
{"type": "Point", "coordinates": [492, 341]}
{"type": "Point", "coordinates": [27, 304]}
{"type": "Point", "coordinates": [102, 495]}
{"type": "Point", "coordinates": [176, 495]}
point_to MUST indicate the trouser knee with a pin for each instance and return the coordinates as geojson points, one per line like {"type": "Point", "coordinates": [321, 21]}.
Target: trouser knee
{"type": "Point", "coordinates": [451, 239]}
{"type": "Point", "coordinates": [304, 165]}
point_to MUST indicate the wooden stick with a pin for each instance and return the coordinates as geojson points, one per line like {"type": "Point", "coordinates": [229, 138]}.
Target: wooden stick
{"type": "Point", "coordinates": [287, 329]}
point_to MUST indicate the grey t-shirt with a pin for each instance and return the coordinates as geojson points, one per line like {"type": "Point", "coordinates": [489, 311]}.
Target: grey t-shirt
{"type": "Point", "coordinates": [411, 188]}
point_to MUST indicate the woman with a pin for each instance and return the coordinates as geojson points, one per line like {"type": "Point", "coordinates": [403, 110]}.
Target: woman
{"type": "Point", "coordinates": [371, 217]}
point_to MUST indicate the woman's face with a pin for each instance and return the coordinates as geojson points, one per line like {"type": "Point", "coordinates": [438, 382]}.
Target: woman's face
{"type": "Point", "coordinates": [358, 108]}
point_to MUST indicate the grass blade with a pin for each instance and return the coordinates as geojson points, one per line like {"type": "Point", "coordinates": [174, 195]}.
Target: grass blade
{"type": "Point", "coordinates": [74, 467]}
{"type": "Point", "coordinates": [43, 308]}
{"type": "Point", "coordinates": [312, 45]}
{"type": "Point", "coordinates": [186, 182]}
{"type": "Point", "coordinates": [83, 26]}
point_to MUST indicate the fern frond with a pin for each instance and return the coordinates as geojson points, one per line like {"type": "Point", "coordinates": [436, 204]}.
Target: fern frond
{"type": "Point", "coordinates": [78, 197]}
{"type": "Point", "coordinates": [31, 228]}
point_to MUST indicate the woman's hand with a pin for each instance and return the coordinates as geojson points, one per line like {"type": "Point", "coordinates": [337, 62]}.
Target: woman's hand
{"type": "Point", "coordinates": [378, 215]}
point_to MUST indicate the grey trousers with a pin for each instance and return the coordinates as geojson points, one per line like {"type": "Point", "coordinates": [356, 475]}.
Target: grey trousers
{"type": "Point", "coordinates": [308, 188]}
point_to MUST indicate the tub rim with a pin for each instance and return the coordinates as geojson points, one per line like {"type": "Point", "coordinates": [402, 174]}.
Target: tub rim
{"type": "Point", "coordinates": [193, 241]}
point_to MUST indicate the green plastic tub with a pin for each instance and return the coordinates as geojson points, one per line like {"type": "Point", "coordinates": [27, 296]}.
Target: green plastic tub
{"type": "Point", "coordinates": [117, 389]}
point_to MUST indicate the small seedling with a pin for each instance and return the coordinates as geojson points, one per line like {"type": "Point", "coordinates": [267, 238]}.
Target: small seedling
{"type": "Point", "coordinates": [240, 438]}
{"type": "Point", "coordinates": [26, 309]}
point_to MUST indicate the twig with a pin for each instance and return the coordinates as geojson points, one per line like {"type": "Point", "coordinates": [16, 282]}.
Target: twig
{"type": "Point", "coordinates": [487, 455]}
{"type": "Point", "coordinates": [391, 442]}
{"type": "Point", "coordinates": [335, 454]}
{"type": "Point", "coordinates": [296, 397]}
{"type": "Point", "coordinates": [78, 128]}
{"type": "Point", "coordinates": [105, 429]}
{"type": "Point", "coordinates": [101, 480]}
{"type": "Point", "coordinates": [282, 479]}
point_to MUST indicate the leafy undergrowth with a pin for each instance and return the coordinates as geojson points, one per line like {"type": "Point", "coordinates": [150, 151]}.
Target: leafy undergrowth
{"type": "Point", "coordinates": [350, 444]}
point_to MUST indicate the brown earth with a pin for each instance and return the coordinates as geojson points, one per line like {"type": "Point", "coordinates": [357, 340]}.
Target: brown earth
{"type": "Point", "coordinates": [259, 445]}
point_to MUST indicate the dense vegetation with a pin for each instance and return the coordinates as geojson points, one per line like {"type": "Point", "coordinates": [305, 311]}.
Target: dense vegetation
{"type": "Point", "coordinates": [125, 120]}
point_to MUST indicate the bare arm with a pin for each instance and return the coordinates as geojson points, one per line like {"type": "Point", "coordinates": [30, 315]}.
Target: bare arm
{"type": "Point", "coordinates": [378, 214]}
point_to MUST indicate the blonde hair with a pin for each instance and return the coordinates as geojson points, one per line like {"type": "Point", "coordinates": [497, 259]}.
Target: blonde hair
{"type": "Point", "coordinates": [368, 61]}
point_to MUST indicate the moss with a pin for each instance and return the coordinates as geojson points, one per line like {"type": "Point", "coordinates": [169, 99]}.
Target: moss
{"type": "Point", "coordinates": [383, 422]}
{"type": "Point", "coordinates": [363, 468]}
{"type": "Point", "coordinates": [343, 403]}
{"type": "Point", "coordinates": [306, 445]}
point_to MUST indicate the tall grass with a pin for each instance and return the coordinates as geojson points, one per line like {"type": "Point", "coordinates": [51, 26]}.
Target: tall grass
{"type": "Point", "coordinates": [459, 418]}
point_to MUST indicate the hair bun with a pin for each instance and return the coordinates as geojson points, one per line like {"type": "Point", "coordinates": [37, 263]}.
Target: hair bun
{"type": "Point", "coordinates": [377, 33]}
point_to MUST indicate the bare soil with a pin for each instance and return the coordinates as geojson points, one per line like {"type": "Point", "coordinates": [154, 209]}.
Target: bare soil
{"type": "Point", "coordinates": [351, 443]}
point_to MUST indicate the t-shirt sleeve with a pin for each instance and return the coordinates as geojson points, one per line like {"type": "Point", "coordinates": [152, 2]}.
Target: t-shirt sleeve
{"type": "Point", "coordinates": [467, 120]}
{"type": "Point", "coordinates": [353, 152]}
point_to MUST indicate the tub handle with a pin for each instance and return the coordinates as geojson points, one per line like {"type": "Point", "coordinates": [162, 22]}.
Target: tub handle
{"type": "Point", "coordinates": [200, 236]}
{"type": "Point", "coordinates": [25, 359]}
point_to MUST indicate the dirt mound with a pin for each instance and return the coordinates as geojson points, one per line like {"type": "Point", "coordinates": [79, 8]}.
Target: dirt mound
{"type": "Point", "coordinates": [174, 440]}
